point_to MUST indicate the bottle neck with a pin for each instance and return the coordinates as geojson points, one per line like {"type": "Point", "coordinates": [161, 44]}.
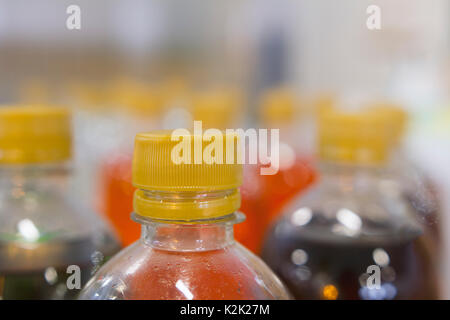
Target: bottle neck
{"type": "Point", "coordinates": [350, 177]}
{"type": "Point", "coordinates": [348, 168]}
{"type": "Point", "coordinates": [182, 231]}
{"type": "Point", "coordinates": [186, 206]}
{"type": "Point", "coordinates": [34, 176]}
{"type": "Point", "coordinates": [179, 237]}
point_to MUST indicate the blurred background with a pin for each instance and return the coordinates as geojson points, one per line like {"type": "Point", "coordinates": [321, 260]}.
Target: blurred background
{"type": "Point", "coordinates": [138, 65]}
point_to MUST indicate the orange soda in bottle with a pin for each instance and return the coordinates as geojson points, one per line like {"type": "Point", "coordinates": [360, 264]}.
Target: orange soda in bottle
{"type": "Point", "coordinates": [186, 210]}
{"type": "Point", "coordinates": [352, 224]}
{"type": "Point", "coordinates": [139, 105]}
{"type": "Point", "coordinates": [280, 109]}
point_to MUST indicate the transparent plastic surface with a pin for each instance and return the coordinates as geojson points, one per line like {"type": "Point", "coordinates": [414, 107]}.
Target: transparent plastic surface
{"type": "Point", "coordinates": [353, 218]}
{"type": "Point", "coordinates": [43, 230]}
{"type": "Point", "coordinates": [263, 196]}
{"type": "Point", "coordinates": [421, 192]}
{"type": "Point", "coordinates": [116, 189]}
{"type": "Point", "coordinates": [116, 196]}
{"type": "Point", "coordinates": [186, 262]}
{"type": "Point", "coordinates": [98, 130]}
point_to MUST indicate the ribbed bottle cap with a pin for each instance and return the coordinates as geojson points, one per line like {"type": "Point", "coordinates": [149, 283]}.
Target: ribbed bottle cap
{"type": "Point", "coordinates": [34, 134]}
{"type": "Point", "coordinates": [396, 118]}
{"type": "Point", "coordinates": [216, 108]}
{"type": "Point", "coordinates": [136, 97]}
{"type": "Point", "coordinates": [278, 106]}
{"type": "Point", "coordinates": [357, 137]}
{"type": "Point", "coordinates": [157, 167]}
{"type": "Point", "coordinates": [89, 95]}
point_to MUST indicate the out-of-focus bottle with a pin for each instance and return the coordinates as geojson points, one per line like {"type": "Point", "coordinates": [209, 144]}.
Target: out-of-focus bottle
{"type": "Point", "coordinates": [222, 109]}
{"type": "Point", "coordinates": [97, 131]}
{"type": "Point", "coordinates": [35, 91]}
{"type": "Point", "coordinates": [187, 212]}
{"type": "Point", "coordinates": [351, 236]}
{"type": "Point", "coordinates": [219, 108]}
{"type": "Point", "coordinates": [139, 106]}
{"type": "Point", "coordinates": [43, 227]}
{"type": "Point", "coordinates": [280, 109]}
{"type": "Point", "coordinates": [177, 96]}
{"type": "Point", "coordinates": [415, 185]}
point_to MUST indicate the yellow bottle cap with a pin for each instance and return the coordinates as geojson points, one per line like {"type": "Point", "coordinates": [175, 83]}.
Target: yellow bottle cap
{"type": "Point", "coordinates": [136, 98]}
{"type": "Point", "coordinates": [35, 91]}
{"type": "Point", "coordinates": [396, 118]}
{"type": "Point", "coordinates": [155, 168]}
{"type": "Point", "coordinates": [360, 137]}
{"type": "Point", "coordinates": [88, 95]}
{"type": "Point", "coordinates": [324, 102]}
{"type": "Point", "coordinates": [278, 106]}
{"type": "Point", "coordinates": [216, 108]}
{"type": "Point", "coordinates": [174, 89]}
{"type": "Point", "coordinates": [34, 134]}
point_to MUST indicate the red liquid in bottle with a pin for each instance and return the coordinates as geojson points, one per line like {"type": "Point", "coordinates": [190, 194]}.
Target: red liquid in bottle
{"type": "Point", "coordinates": [209, 275]}
{"type": "Point", "coordinates": [283, 186]}
{"type": "Point", "coordinates": [117, 198]}
{"type": "Point", "coordinates": [263, 197]}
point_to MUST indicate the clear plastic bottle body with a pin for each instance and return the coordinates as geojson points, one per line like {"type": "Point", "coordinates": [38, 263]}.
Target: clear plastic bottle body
{"type": "Point", "coordinates": [97, 131]}
{"type": "Point", "coordinates": [420, 191]}
{"type": "Point", "coordinates": [263, 196]}
{"type": "Point", "coordinates": [43, 230]}
{"type": "Point", "coordinates": [115, 188]}
{"type": "Point", "coordinates": [353, 218]}
{"type": "Point", "coordinates": [116, 196]}
{"type": "Point", "coordinates": [185, 260]}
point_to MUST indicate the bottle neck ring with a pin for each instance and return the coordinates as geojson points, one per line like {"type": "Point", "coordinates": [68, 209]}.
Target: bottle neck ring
{"type": "Point", "coordinates": [188, 236]}
{"type": "Point", "coordinates": [186, 206]}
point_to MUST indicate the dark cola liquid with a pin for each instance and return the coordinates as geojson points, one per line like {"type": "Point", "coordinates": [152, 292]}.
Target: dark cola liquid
{"type": "Point", "coordinates": [40, 271]}
{"type": "Point", "coordinates": [44, 284]}
{"type": "Point", "coordinates": [320, 266]}
{"type": "Point", "coordinates": [428, 212]}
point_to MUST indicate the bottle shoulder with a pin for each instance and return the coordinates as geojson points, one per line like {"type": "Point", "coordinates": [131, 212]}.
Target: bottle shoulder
{"type": "Point", "coordinates": [39, 214]}
{"type": "Point", "coordinates": [142, 272]}
{"type": "Point", "coordinates": [373, 209]}
{"type": "Point", "coordinates": [41, 226]}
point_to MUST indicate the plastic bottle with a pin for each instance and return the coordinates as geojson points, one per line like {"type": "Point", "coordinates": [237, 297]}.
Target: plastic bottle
{"type": "Point", "coordinates": [186, 249]}
{"type": "Point", "coordinates": [280, 109]}
{"type": "Point", "coordinates": [97, 131]}
{"type": "Point", "coordinates": [139, 106]}
{"type": "Point", "coordinates": [43, 227]}
{"type": "Point", "coordinates": [351, 236]}
{"type": "Point", "coordinates": [176, 93]}
{"type": "Point", "coordinates": [415, 185]}
{"type": "Point", "coordinates": [220, 109]}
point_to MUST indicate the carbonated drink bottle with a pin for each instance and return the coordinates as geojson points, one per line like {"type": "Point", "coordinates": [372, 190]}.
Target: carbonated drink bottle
{"type": "Point", "coordinates": [44, 229]}
{"type": "Point", "coordinates": [187, 209]}
{"type": "Point", "coordinates": [281, 109]}
{"type": "Point", "coordinates": [351, 236]}
{"type": "Point", "coordinates": [139, 106]}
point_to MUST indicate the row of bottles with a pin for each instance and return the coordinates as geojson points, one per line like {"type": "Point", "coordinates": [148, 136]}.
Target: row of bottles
{"type": "Point", "coordinates": [186, 249]}
{"type": "Point", "coordinates": [359, 214]}
{"type": "Point", "coordinates": [317, 223]}
{"type": "Point", "coordinates": [187, 213]}
{"type": "Point", "coordinates": [43, 227]}
{"type": "Point", "coordinates": [217, 108]}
